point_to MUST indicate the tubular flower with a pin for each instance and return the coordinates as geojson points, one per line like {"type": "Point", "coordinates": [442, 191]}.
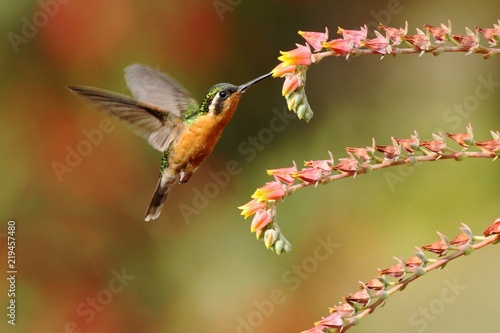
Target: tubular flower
{"type": "Point", "coordinates": [414, 262]}
{"type": "Point", "coordinates": [439, 33]}
{"type": "Point", "coordinates": [493, 229]}
{"type": "Point", "coordinates": [492, 146]}
{"type": "Point", "coordinates": [324, 165]}
{"type": "Point", "coordinates": [440, 248]}
{"type": "Point", "coordinates": [309, 175]}
{"type": "Point", "coordinates": [361, 297]}
{"type": "Point", "coordinates": [251, 207]}
{"type": "Point", "coordinates": [492, 35]}
{"type": "Point", "coordinates": [283, 174]}
{"type": "Point", "coordinates": [334, 320]}
{"type": "Point", "coordinates": [270, 191]}
{"type": "Point", "coordinates": [260, 220]}
{"type": "Point", "coordinates": [397, 271]}
{"type": "Point", "coordinates": [348, 165]}
{"type": "Point", "coordinates": [438, 145]}
{"type": "Point", "coordinates": [461, 239]}
{"type": "Point", "coordinates": [300, 56]}
{"type": "Point", "coordinates": [468, 41]}
{"type": "Point", "coordinates": [366, 154]}
{"type": "Point", "coordinates": [380, 44]}
{"type": "Point", "coordinates": [345, 309]}
{"type": "Point", "coordinates": [375, 284]}
{"type": "Point", "coordinates": [281, 70]}
{"type": "Point", "coordinates": [419, 41]}
{"type": "Point", "coordinates": [395, 35]}
{"type": "Point", "coordinates": [410, 145]}
{"type": "Point", "coordinates": [390, 152]}
{"type": "Point", "coordinates": [292, 82]}
{"type": "Point", "coordinates": [463, 139]}
{"type": "Point", "coordinates": [315, 39]}
{"type": "Point", "coordinates": [354, 36]}
{"type": "Point", "coordinates": [340, 46]}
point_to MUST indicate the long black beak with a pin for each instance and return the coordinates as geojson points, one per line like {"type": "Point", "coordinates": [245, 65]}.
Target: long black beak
{"type": "Point", "coordinates": [244, 86]}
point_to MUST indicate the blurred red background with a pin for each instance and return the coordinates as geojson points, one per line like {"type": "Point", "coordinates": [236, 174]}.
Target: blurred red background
{"type": "Point", "coordinates": [78, 230]}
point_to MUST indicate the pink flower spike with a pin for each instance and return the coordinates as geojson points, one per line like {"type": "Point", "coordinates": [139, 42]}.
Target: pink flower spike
{"type": "Point", "coordinates": [300, 56]}
{"type": "Point", "coordinates": [270, 191]}
{"type": "Point", "coordinates": [340, 46]}
{"type": "Point", "coordinates": [354, 36]}
{"type": "Point", "coordinates": [291, 84]}
{"type": "Point", "coordinates": [260, 220]}
{"type": "Point", "coordinates": [380, 44]}
{"type": "Point", "coordinates": [283, 174]}
{"type": "Point", "coordinates": [315, 39]}
{"type": "Point", "coordinates": [251, 207]}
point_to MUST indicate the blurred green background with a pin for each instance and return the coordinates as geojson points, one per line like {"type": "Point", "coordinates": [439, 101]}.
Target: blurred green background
{"type": "Point", "coordinates": [206, 272]}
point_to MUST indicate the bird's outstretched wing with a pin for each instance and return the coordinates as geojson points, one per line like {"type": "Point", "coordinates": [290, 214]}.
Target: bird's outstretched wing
{"type": "Point", "coordinates": [152, 86]}
{"type": "Point", "coordinates": [153, 122]}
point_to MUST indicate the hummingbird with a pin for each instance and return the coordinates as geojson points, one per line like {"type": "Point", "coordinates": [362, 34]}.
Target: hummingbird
{"type": "Point", "coordinates": [172, 121]}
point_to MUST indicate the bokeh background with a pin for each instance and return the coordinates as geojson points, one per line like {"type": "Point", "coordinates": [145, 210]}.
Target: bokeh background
{"type": "Point", "coordinates": [206, 272]}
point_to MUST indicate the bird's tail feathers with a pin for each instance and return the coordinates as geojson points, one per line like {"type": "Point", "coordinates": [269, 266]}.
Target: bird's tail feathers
{"type": "Point", "coordinates": [157, 201]}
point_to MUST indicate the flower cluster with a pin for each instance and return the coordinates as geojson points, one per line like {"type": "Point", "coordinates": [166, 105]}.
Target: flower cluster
{"type": "Point", "coordinates": [375, 292]}
{"type": "Point", "coordinates": [389, 40]}
{"type": "Point", "coordinates": [293, 68]}
{"type": "Point", "coordinates": [360, 160]}
{"type": "Point", "coordinates": [264, 223]}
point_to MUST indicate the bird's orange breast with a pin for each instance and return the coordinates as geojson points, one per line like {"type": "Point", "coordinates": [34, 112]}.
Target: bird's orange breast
{"type": "Point", "coordinates": [197, 140]}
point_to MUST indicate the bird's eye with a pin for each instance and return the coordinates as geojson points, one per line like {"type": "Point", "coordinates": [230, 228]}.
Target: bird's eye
{"type": "Point", "coordinates": [223, 94]}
